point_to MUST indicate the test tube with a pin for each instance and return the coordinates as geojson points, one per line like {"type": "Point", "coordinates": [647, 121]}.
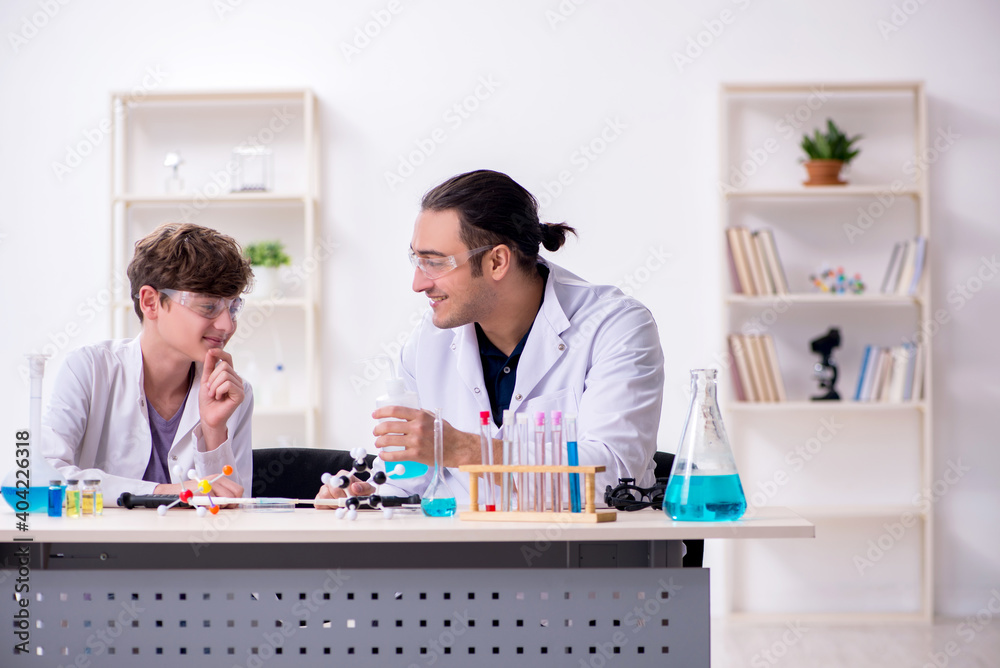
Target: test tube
{"type": "Point", "coordinates": [486, 447]}
{"type": "Point", "coordinates": [523, 495]}
{"type": "Point", "coordinates": [557, 460]}
{"type": "Point", "coordinates": [509, 443]}
{"type": "Point", "coordinates": [540, 461]}
{"type": "Point", "coordinates": [573, 459]}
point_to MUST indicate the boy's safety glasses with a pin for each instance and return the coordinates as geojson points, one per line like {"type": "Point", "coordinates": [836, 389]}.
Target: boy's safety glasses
{"type": "Point", "coordinates": [207, 306]}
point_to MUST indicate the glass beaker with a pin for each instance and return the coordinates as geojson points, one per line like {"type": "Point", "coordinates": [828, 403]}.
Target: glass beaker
{"type": "Point", "coordinates": [704, 485]}
{"type": "Point", "coordinates": [438, 500]}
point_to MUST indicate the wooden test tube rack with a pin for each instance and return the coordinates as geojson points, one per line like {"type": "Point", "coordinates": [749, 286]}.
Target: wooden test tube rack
{"type": "Point", "coordinates": [588, 514]}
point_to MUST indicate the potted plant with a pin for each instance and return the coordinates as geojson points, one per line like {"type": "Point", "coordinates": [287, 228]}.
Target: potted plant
{"type": "Point", "coordinates": [828, 152]}
{"type": "Point", "coordinates": [265, 257]}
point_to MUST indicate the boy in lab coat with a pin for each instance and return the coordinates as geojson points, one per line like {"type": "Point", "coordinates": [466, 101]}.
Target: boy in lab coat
{"type": "Point", "coordinates": [130, 412]}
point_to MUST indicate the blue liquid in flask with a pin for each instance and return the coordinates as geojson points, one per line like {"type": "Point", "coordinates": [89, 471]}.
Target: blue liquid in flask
{"type": "Point", "coordinates": [37, 499]}
{"type": "Point", "coordinates": [705, 498]}
{"type": "Point", "coordinates": [439, 507]}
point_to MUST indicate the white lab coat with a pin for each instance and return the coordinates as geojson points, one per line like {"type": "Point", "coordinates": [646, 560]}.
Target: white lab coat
{"type": "Point", "coordinates": [97, 424]}
{"type": "Point", "coordinates": [592, 351]}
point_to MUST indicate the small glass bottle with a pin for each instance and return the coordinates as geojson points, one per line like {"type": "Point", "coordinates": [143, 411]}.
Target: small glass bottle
{"type": "Point", "coordinates": [704, 485]}
{"type": "Point", "coordinates": [55, 498]}
{"type": "Point", "coordinates": [438, 501]}
{"type": "Point", "coordinates": [73, 498]}
{"type": "Point", "coordinates": [92, 499]}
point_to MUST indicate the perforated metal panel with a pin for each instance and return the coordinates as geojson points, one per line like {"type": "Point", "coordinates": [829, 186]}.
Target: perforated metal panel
{"type": "Point", "coordinates": [354, 617]}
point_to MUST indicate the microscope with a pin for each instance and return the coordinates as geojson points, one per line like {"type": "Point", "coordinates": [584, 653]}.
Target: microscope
{"type": "Point", "coordinates": [825, 371]}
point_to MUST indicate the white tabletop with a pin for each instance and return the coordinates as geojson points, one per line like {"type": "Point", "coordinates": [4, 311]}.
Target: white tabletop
{"type": "Point", "coordinates": [307, 525]}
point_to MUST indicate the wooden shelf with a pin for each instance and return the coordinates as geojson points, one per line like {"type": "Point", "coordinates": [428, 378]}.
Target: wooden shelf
{"type": "Point", "coordinates": [826, 299]}
{"type": "Point", "coordinates": [801, 192]}
{"type": "Point", "coordinates": [848, 406]}
{"type": "Point", "coordinates": [227, 198]}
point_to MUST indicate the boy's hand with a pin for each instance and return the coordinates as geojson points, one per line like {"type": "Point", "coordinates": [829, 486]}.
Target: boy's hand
{"type": "Point", "coordinates": [220, 392]}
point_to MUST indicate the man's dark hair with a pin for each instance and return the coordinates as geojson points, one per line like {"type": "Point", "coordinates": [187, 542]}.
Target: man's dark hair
{"type": "Point", "coordinates": [494, 209]}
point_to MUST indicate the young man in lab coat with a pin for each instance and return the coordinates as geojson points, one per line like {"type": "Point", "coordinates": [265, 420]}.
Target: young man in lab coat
{"type": "Point", "coordinates": [508, 329]}
{"type": "Point", "coordinates": [129, 411]}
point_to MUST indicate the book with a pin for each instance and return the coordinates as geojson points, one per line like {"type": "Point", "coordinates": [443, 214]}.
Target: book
{"type": "Point", "coordinates": [906, 269]}
{"type": "Point", "coordinates": [760, 369]}
{"type": "Point", "coordinates": [772, 358]}
{"type": "Point", "coordinates": [861, 373]}
{"type": "Point", "coordinates": [742, 283]}
{"type": "Point", "coordinates": [778, 277]}
{"type": "Point", "coordinates": [888, 282]}
{"type": "Point", "coordinates": [738, 367]}
{"type": "Point", "coordinates": [741, 355]}
{"type": "Point", "coordinates": [918, 265]}
{"type": "Point", "coordinates": [919, 373]}
{"type": "Point", "coordinates": [911, 364]}
{"type": "Point", "coordinates": [880, 392]}
{"type": "Point", "coordinates": [870, 370]}
{"type": "Point", "coordinates": [753, 260]}
{"type": "Point", "coordinates": [765, 267]}
{"type": "Point", "coordinates": [897, 375]}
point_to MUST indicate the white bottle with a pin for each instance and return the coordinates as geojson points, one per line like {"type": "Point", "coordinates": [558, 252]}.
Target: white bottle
{"type": "Point", "coordinates": [397, 395]}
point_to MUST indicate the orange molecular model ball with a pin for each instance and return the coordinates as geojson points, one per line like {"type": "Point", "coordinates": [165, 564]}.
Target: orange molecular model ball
{"type": "Point", "coordinates": [227, 469]}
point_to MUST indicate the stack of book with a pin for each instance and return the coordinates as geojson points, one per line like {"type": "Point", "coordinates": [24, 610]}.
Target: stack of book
{"type": "Point", "coordinates": [757, 376]}
{"type": "Point", "coordinates": [891, 374]}
{"type": "Point", "coordinates": [754, 262]}
{"type": "Point", "coordinates": [906, 266]}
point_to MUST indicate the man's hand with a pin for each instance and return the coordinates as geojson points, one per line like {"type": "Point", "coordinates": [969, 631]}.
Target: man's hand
{"type": "Point", "coordinates": [220, 392]}
{"type": "Point", "coordinates": [413, 429]}
{"type": "Point", "coordinates": [356, 488]}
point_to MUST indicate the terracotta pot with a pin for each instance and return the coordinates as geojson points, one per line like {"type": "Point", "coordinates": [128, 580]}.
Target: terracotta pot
{"type": "Point", "coordinates": [824, 173]}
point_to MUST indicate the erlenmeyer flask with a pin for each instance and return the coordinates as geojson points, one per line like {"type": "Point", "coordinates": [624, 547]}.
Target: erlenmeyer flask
{"type": "Point", "coordinates": [438, 500]}
{"type": "Point", "coordinates": [26, 486]}
{"type": "Point", "coordinates": [704, 484]}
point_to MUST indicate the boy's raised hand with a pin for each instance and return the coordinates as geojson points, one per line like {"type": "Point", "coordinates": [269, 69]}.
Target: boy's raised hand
{"type": "Point", "coordinates": [220, 392]}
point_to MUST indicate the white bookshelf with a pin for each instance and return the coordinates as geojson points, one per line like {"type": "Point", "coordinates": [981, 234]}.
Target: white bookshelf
{"type": "Point", "coordinates": [204, 127]}
{"type": "Point", "coordinates": [877, 458]}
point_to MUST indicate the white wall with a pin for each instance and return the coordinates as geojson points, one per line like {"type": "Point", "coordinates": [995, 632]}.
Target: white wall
{"type": "Point", "coordinates": [559, 80]}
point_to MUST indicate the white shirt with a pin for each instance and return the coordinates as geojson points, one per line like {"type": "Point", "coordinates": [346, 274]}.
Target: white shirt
{"type": "Point", "coordinates": [591, 351]}
{"type": "Point", "coordinates": [97, 425]}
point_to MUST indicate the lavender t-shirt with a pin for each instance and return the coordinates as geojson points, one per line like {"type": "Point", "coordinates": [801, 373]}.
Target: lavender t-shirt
{"type": "Point", "coordinates": [163, 432]}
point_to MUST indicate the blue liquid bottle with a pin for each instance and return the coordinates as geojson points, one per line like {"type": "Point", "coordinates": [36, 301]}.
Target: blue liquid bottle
{"type": "Point", "coordinates": [704, 484]}
{"type": "Point", "coordinates": [397, 395]}
{"type": "Point", "coordinates": [438, 500]}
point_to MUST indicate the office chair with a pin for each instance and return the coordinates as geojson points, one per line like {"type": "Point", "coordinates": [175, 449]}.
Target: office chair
{"type": "Point", "coordinates": [293, 473]}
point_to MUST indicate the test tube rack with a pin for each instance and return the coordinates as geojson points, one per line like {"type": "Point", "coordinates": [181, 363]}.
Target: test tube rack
{"type": "Point", "coordinates": [589, 513]}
